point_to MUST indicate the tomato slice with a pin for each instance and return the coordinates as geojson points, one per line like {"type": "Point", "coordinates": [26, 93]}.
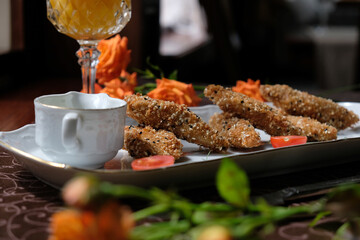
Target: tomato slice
{"type": "Point", "coordinates": [285, 141]}
{"type": "Point", "coordinates": [152, 162]}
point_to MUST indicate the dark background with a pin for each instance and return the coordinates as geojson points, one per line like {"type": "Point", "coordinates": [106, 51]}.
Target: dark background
{"type": "Point", "coordinates": [263, 27]}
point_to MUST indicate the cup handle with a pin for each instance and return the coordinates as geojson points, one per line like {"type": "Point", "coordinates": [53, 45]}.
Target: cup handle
{"type": "Point", "coordinates": [69, 132]}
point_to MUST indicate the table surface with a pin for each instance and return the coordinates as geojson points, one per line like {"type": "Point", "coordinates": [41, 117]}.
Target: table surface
{"type": "Point", "coordinates": [26, 204]}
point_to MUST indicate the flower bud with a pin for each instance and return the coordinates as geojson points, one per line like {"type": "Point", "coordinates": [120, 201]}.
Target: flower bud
{"type": "Point", "coordinates": [76, 192]}
{"type": "Point", "coordinates": [215, 232]}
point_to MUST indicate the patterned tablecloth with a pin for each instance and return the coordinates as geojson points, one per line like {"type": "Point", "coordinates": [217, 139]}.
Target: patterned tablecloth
{"type": "Point", "coordinates": [26, 204]}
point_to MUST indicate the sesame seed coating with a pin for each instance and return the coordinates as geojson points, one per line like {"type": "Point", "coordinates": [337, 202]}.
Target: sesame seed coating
{"type": "Point", "coordinates": [146, 141]}
{"type": "Point", "coordinates": [239, 132]}
{"type": "Point", "coordinates": [314, 129]}
{"type": "Point", "coordinates": [299, 103]}
{"type": "Point", "coordinates": [258, 113]}
{"type": "Point", "coordinates": [175, 118]}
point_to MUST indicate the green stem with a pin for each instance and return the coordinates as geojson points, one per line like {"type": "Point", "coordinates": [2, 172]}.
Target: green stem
{"type": "Point", "coordinates": [198, 88]}
{"type": "Point", "coordinates": [318, 217]}
{"type": "Point", "coordinates": [124, 191]}
{"type": "Point", "coordinates": [150, 211]}
{"type": "Point", "coordinates": [145, 86]}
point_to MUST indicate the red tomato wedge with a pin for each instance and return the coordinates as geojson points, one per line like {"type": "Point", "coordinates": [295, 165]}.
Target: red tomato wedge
{"type": "Point", "coordinates": [152, 162]}
{"type": "Point", "coordinates": [285, 141]}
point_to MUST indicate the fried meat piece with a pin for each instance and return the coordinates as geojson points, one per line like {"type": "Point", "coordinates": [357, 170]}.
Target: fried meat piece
{"type": "Point", "coordinates": [175, 118]}
{"type": "Point", "coordinates": [258, 113]}
{"type": "Point", "coordinates": [239, 132]}
{"type": "Point", "coordinates": [145, 141]}
{"type": "Point", "coordinates": [299, 103]}
{"type": "Point", "coordinates": [313, 129]}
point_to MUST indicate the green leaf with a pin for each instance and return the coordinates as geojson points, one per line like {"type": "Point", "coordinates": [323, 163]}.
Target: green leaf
{"type": "Point", "coordinates": [318, 217]}
{"type": "Point", "coordinates": [145, 88]}
{"type": "Point", "coordinates": [211, 206]}
{"type": "Point", "coordinates": [149, 211]}
{"type": "Point", "coordinates": [183, 207]}
{"type": "Point", "coordinates": [155, 67]}
{"type": "Point", "coordinates": [173, 75]}
{"type": "Point", "coordinates": [160, 196]}
{"type": "Point", "coordinates": [143, 73]}
{"type": "Point", "coordinates": [232, 184]}
{"type": "Point", "coordinates": [199, 88]}
{"type": "Point", "coordinates": [138, 70]}
{"type": "Point", "coordinates": [248, 226]}
{"type": "Point", "coordinates": [341, 231]}
{"type": "Point", "coordinates": [228, 217]}
{"type": "Point", "coordinates": [149, 74]}
{"type": "Point", "coordinates": [123, 191]}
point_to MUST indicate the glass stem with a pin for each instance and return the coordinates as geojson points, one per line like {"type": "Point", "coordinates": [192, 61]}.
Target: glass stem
{"type": "Point", "coordinates": [88, 55]}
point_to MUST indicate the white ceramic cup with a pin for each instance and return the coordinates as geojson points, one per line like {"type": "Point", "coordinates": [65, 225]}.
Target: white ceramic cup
{"type": "Point", "coordinates": [82, 130]}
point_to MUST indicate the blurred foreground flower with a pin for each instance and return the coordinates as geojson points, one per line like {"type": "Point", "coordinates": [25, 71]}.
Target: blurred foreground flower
{"type": "Point", "coordinates": [250, 88]}
{"type": "Point", "coordinates": [98, 215]}
{"type": "Point", "coordinates": [215, 232]}
{"type": "Point", "coordinates": [77, 192]}
{"type": "Point", "coordinates": [111, 221]}
{"type": "Point", "coordinates": [114, 58]}
{"type": "Point", "coordinates": [91, 214]}
{"type": "Point", "coordinates": [172, 90]}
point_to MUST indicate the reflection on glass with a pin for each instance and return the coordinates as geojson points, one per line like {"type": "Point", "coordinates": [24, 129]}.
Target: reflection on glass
{"type": "Point", "coordinates": [89, 21]}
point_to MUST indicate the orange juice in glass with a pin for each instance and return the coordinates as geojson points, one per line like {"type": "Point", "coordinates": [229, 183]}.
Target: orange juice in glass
{"type": "Point", "coordinates": [89, 21]}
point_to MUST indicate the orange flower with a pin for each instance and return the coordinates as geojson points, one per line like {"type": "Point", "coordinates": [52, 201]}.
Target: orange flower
{"type": "Point", "coordinates": [97, 88]}
{"type": "Point", "coordinates": [111, 222]}
{"type": "Point", "coordinates": [250, 88]}
{"type": "Point", "coordinates": [114, 58]}
{"type": "Point", "coordinates": [120, 87]}
{"type": "Point", "coordinates": [172, 90]}
{"type": "Point", "coordinates": [129, 80]}
{"type": "Point", "coordinates": [67, 224]}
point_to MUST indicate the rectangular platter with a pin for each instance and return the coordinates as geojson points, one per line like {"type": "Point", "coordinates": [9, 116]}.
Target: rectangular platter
{"type": "Point", "coordinates": [198, 166]}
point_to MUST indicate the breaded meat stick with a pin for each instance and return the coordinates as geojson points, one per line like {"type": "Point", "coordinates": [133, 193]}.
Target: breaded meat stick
{"type": "Point", "coordinates": [313, 129]}
{"type": "Point", "coordinates": [239, 132]}
{"type": "Point", "coordinates": [299, 103]}
{"type": "Point", "coordinates": [145, 141]}
{"type": "Point", "coordinates": [258, 113]}
{"type": "Point", "coordinates": [175, 118]}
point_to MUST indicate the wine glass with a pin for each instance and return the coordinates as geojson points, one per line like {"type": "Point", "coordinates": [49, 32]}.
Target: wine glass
{"type": "Point", "coordinates": [88, 22]}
